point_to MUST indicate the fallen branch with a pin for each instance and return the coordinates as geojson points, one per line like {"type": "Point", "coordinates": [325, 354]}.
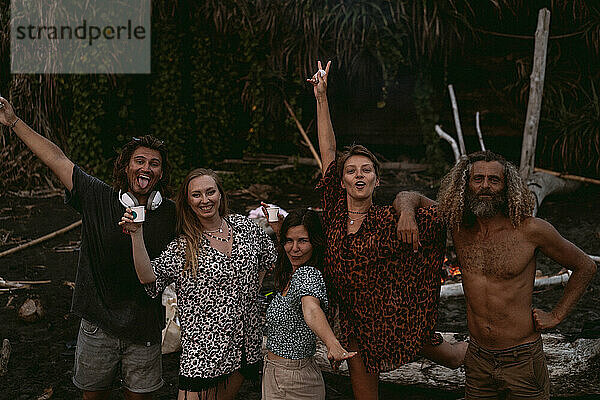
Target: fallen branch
{"type": "Point", "coordinates": [461, 141]}
{"type": "Point", "coordinates": [29, 282]}
{"type": "Point", "coordinates": [450, 140]}
{"type": "Point", "coordinates": [568, 176]}
{"type": "Point", "coordinates": [8, 285]}
{"type": "Point", "coordinates": [41, 239]}
{"type": "Point", "coordinates": [283, 160]}
{"type": "Point", "coordinates": [478, 129]}
{"type": "Point", "coordinates": [304, 135]}
{"type": "Point", "coordinates": [456, 289]}
{"type": "Point", "coordinates": [4, 356]}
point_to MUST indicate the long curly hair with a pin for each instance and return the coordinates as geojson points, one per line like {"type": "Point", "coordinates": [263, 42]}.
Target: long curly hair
{"type": "Point", "coordinates": [451, 196]}
{"type": "Point", "coordinates": [122, 161]}
{"type": "Point", "coordinates": [283, 270]}
{"type": "Point", "coordinates": [188, 223]}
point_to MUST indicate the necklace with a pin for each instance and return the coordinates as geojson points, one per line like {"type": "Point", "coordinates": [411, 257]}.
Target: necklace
{"type": "Point", "coordinates": [225, 240]}
{"type": "Point", "coordinates": [219, 229]}
{"type": "Point", "coordinates": [351, 220]}
{"type": "Point", "coordinates": [357, 212]}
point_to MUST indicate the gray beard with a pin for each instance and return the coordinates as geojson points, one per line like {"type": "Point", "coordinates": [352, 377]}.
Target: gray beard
{"type": "Point", "coordinates": [485, 208]}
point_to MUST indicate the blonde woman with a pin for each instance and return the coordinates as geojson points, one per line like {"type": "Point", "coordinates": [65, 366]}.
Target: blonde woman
{"type": "Point", "coordinates": [217, 263]}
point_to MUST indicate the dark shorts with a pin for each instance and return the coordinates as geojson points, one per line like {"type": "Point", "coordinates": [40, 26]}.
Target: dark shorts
{"type": "Point", "coordinates": [518, 372]}
{"type": "Point", "coordinates": [101, 359]}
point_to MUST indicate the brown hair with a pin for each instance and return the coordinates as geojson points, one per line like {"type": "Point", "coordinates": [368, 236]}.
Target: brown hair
{"type": "Point", "coordinates": [122, 161]}
{"type": "Point", "coordinates": [451, 196]}
{"type": "Point", "coordinates": [357, 150]}
{"type": "Point", "coordinates": [283, 270]}
{"type": "Point", "coordinates": [188, 223]}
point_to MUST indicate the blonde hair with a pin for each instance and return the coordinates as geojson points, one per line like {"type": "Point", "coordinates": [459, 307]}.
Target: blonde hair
{"type": "Point", "coordinates": [451, 196]}
{"type": "Point", "coordinates": [188, 223]}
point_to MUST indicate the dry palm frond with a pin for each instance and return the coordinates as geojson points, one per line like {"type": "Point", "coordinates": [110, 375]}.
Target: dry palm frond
{"type": "Point", "coordinates": [574, 131]}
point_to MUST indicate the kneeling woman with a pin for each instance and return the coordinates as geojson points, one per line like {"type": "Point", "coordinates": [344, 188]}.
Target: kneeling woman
{"type": "Point", "coordinates": [217, 264]}
{"type": "Point", "coordinates": [296, 314]}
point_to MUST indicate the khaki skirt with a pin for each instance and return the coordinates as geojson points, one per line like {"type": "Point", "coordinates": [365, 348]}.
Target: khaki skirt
{"type": "Point", "coordinates": [292, 380]}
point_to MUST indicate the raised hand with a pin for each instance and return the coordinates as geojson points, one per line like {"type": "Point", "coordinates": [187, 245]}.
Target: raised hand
{"type": "Point", "coordinates": [276, 226]}
{"type": "Point", "coordinates": [127, 222]}
{"type": "Point", "coordinates": [7, 113]}
{"type": "Point", "coordinates": [319, 80]}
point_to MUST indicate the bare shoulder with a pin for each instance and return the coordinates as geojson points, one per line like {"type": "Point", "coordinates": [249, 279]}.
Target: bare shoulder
{"type": "Point", "coordinates": [538, 230]}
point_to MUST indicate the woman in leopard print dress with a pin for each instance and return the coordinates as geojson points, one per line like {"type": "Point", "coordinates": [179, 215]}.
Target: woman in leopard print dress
{"type": "Point", "coordinates": [386, 294]}
{"type": "Point", "coordinates": [217, 263]}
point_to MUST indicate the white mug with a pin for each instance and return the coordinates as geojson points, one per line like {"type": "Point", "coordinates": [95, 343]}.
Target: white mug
{"type": "Point", "coordinates": [272, 214]}
{"type": "Point", "coordinates": [139, 213]}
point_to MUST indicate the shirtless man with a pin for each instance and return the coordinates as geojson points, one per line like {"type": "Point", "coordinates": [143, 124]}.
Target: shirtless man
{"type": "Point", "coordinates": [488, 209]}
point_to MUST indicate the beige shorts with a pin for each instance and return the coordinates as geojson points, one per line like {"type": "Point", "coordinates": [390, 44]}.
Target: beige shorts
{"type": "Point", "coordinates": [518, 372]}
{"type": "Point", "coordinates": [292, 380]}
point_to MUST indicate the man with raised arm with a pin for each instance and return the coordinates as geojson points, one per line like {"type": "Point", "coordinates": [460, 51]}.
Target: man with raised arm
{"type": "Point", "coordinates": [120, 331]}
{"type": "Point", "coordinates": [488, 209]}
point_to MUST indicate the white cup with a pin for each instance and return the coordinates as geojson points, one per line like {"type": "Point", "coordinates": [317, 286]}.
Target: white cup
{"type": "Point", "coordinates": [139, 213]}
{"type": "Point", "coordinates": [272, 214]}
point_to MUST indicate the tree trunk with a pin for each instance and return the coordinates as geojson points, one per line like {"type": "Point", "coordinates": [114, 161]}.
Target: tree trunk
{"type": "Point", "coordinates": [536, 88]}
{"type": "Point", "coordinates": [542, 185]}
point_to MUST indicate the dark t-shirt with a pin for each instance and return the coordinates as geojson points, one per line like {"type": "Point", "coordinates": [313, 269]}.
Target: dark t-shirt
{"type": "Point", "coordinates": [107, 290]}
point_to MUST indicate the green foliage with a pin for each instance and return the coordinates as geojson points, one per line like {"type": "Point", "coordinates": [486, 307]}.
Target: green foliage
{"type": "Point", "coordinates": [221, 71]}
{"type": "Point", "coordinates": [167, 110]}
{"type": "Point", "coordinates": [85, 128]}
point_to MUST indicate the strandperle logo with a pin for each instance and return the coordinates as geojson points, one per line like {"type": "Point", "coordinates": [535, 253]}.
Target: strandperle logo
{"type": "Point", "coordinates": [89, 33]}
{"type": "Point", "coordinates": [80, 37]}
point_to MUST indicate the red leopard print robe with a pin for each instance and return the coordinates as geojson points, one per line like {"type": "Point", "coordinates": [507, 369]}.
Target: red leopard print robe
{"type": "Point", "coordinates": [387, 295]}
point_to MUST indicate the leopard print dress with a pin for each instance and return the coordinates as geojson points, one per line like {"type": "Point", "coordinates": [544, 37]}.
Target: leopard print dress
{"type": "Point", "coordinates": [386, 294]}
{"type": "Point", "coordinates": [218, 309]}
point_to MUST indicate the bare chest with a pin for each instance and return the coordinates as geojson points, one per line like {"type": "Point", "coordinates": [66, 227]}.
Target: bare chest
{"type": "Point", "coordinates": [504, 255]}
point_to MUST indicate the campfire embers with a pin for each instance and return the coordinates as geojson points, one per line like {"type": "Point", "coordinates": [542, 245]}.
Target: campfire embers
{"type": "Point", "coordinates": [451, 270]}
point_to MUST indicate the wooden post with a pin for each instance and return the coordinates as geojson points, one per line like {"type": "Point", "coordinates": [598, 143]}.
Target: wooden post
{"type": "Point", "coordinates": [536, 88]}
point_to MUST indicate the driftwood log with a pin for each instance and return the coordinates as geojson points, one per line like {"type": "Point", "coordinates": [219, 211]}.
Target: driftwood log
{"type": "Point", "coordinates": [573, 367]}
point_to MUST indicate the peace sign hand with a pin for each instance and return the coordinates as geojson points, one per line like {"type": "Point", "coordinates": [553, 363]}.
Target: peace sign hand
{"type": "Point", "coordinates": [319, 80]}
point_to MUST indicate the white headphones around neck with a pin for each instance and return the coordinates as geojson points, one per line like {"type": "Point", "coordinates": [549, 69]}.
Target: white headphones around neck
{"type": "Point", "coordinates": [129, 200]}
